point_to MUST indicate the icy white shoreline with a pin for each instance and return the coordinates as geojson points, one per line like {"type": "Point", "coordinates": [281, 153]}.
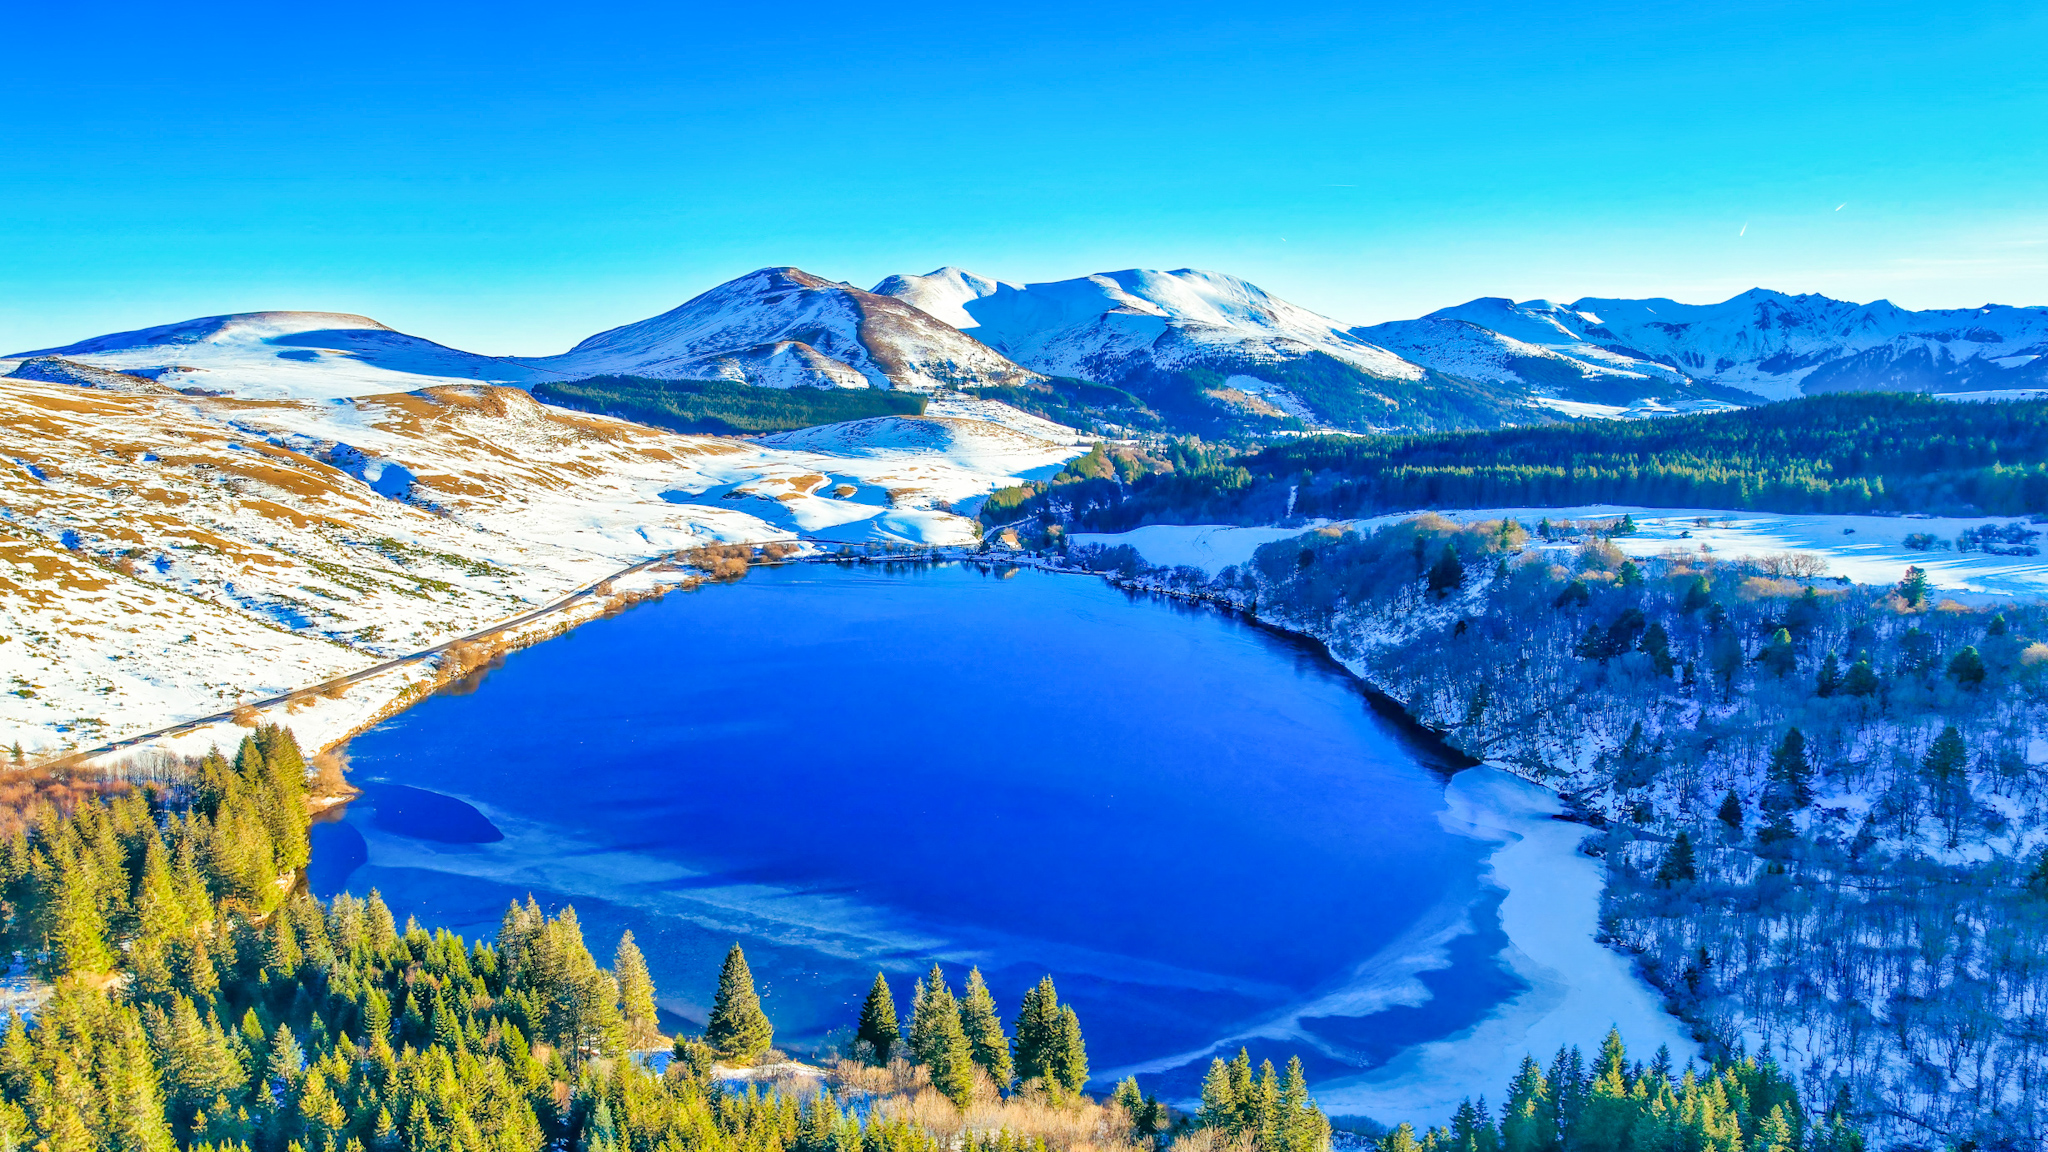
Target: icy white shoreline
{"type": "Point", "coordinates": [1577, 987]}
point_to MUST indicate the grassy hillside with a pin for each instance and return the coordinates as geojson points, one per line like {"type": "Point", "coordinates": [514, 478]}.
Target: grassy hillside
{"type": "Point", "coordinates": [722, 408]}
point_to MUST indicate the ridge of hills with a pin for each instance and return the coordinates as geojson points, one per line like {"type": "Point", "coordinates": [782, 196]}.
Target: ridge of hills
{"type": "Point", "coordinates": [1178, 351]}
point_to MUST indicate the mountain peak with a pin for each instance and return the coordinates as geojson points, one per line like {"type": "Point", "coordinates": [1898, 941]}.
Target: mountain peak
{"type": "Point", "coordinates": [784, 327]}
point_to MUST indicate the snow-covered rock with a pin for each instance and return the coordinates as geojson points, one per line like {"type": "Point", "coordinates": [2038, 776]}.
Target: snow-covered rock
{"type": "Point", "coordinates": [785, 328]}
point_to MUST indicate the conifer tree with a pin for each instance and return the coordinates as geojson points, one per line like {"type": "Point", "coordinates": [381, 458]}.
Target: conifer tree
{"type": "Point", "coordinates": [738, 1030]}
{"type": "Point", "coordinates": [878, 1028]}
{"type": "Point", "coordinates": [1731, 811]}
{"type": "Point", "coordinates": [1656, 643]}
{"type": "Point", "coordinates": [1967, 667]}
{"type": "Point", "coordinates": [1219, 1098]}
{"type": "Point", "coordinates": [636, 993]}
{"type": "Point", "coordinates": [1778, 657]}
{"type": "Point", "coordinates": [1447, 575]}
{"type": "Point", "coordinates": [1696, 596]}
{"type": "Point", "coordinates": [937, 1040]}
{"type": "Point", "coordinates": [1790, 774]}
{"type": "Point", "coordinates": [1528, 1120]}
{"type": "Point", "coordinates": [1913, 588]}
{"type": "Point", "coordinates": [984, 1030]}
{"type": "Point", "coordinates": [1861, 681]}
{"type": "Point", "coordinates": [1677, 866]}
{"type": "Point", "coordinates": [1829, 681]}
{"type": "Point", "coordinates": [1946, 757]}
{"type": "Point", "coordinates": [1049, 1046]}
{"type": "Point", "coordinates": [1067, 1060]}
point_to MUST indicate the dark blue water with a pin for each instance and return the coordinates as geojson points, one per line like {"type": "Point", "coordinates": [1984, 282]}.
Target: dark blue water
{"type": "Point", "coordinates": [1199, 827]}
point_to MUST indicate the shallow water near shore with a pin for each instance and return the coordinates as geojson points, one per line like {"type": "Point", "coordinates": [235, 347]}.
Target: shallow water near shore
{"type": "Point", "coordinates": [1198, 826]}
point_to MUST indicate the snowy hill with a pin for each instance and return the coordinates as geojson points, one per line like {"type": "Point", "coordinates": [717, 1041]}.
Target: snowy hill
{"type": "Point", "coordinates": [163, 556]}
{"type": "Point", "coordinates": [287, 355]}
{"type": "Point", "coordinates": [785, 328]}
{"type": "Point", "coordinates": [1189, 336]}
{"type": "Point", "coordinates": [1765, 343]}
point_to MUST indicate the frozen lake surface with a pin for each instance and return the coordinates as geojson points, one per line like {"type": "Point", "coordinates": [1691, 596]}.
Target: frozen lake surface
{"type": "Point", "coordinates": [1199, 827]}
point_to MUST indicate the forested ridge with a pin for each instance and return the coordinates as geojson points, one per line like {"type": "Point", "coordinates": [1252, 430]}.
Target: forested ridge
{"type": "Point", "coordinates": [1848, 453]}
{"type": "Point", "coordinates": [723, 407]}
{"type": "Point", "coordinates": [1820, 806]}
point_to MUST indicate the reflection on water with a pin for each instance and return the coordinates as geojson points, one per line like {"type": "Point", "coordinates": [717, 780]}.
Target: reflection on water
{"type": "Point", "coordinates": [1200, 828]}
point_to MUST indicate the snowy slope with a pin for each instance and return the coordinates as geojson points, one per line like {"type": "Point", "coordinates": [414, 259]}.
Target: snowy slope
{"type": "Point", "coordinates": [1779, 345]}
{"type": "Point", "coordinates": [785, 328]}
{"type": "Point", "coordinates": [1766, 343]}
{"type": "Point", "coordinates": [1567, 378]}
{"type": "Point", "coordinates": [287, 355]}
{"type": "Point", "coordinates": [1100, 327]}
{"type": "Point", "coordinates": [163, 556]}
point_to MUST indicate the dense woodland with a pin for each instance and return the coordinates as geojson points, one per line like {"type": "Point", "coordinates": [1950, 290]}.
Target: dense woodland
{"type": "Point", "coordinates": [1844, 453]}
{"type": "Point", "coordinates": [1821, 806]}
{"type": "Point", "coordinates": [722, 407]}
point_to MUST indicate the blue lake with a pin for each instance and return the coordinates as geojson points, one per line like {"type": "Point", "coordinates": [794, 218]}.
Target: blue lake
{"type": "Point", "coordinates": [1199, 827]}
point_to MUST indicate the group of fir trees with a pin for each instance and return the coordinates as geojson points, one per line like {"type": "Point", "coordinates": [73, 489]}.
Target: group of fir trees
{"type": "Point", "coordinates": [1264, 1111]}
{"type": "Point", "coordinates": [1737, 1105]}
{"type": "Point", "coordinates": [960, 1038]}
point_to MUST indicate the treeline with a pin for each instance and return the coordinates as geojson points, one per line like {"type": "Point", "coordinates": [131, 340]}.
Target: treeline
{"type": "Point", "coordinates": [1847, 453]}
{"type": "Point", "coordinates": [722, 407]}
{"type": "Point", "coordinates": [1738, 1105]}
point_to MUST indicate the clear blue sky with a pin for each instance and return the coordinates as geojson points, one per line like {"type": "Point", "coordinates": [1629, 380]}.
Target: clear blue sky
{"type": "Point", "coordinates": [510, 178]}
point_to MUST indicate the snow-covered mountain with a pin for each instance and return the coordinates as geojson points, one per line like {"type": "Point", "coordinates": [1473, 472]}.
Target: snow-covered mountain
{"type": "Point", "coordinates": [1183, 350]}
{"type": "Point", "coordinates": [1499, 341]}
{"type": "Point", "coordinates": [1172, 336]}
{"type": "Point", "coordinates": [1103, 326]}
{"type": "Point", "coordinates": [784, 328]}
{"type": "Point", "coordinates": [1765, 343]}
{"type": "Point", "coordinates": [287, 355]}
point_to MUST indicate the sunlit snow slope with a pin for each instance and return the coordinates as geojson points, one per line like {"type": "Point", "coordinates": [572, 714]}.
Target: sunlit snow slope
{"type": "Point", "coordinates": [163, 556]}
{"type": "Point", "coordinates": [279, 355]}
{"type": "Point", "coordinates": [783, 328]}
{"type": "Point", "coordinates": [1768, 344]}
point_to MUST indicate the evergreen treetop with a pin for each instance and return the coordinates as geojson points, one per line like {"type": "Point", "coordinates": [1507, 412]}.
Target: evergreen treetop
{"type": "Point", "coordinates": [738, 1030]}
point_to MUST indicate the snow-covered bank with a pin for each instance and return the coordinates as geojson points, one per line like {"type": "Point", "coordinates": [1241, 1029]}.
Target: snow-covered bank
{"type": "Point", "coordinates": [1577, 988]}
{"type": "Point", "coordinates": [322, 720]}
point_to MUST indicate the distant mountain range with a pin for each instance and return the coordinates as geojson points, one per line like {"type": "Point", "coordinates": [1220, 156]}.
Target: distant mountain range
{"type": "Point", "coordinates": [1184, 350]}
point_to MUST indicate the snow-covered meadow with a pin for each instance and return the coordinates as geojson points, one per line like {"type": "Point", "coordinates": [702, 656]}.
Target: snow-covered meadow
{"type": "Point", "coordinates": [169, 556]}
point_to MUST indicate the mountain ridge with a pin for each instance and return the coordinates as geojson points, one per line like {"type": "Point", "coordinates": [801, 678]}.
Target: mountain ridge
{"type": "Point", "coordinates": [1196, 350]}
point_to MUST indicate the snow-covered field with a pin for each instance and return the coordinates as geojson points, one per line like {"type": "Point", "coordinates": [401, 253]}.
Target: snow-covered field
{"type": "Point", "coordinates": [1210, 547]}
{"type": "Point", "coordinates": [1865, 549]}
{"type": "Point", "coordinates": [165, 556]}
